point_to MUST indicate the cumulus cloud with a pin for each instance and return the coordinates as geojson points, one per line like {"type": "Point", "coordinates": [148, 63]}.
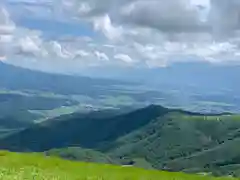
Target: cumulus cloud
{"type": "Point", "coordinates": [165, 15]}
{"type": "Point", "coordinates": [124, 57]}
{"type": "Point", "coordinates": [30, 44]}
{"type": "Point", "coordinates": [105, 25]}
{"type": "Point", "coordinates": [169, 16]}
{"type": "Point", "coordinates": [6, 25]}
{"type": "Point", "coordinates": [101, 56]}
{"type": "Point", "coordinates": [140, 32]}
{"type": "Point", "coordinates": [81, 53]}
{"type": "Point", "coordinates": [2, 58]}
{"type": "Point", "coordinates": [56, 49]}
{"type": "Point", "coordinates": [14, 40]}
{"type": "Point", "coordinates": [224, 16]}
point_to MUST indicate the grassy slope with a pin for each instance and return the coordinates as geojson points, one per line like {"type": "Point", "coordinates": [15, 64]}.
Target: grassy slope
{"type": "Point", "coordinates": [33, 166]}
{"type": "Point", "coordinates": [205, 143]}
{"type": "Point", "coordinates": [80, 154]}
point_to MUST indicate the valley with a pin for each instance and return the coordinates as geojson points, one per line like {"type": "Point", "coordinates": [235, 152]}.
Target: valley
{"type": "Point", "coordinates": [113, 122]}
{"type": "Point", "coordinates": [119, 90]}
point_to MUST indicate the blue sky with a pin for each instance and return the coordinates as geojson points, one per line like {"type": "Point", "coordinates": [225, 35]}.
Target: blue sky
{"type": "Point", "coordinates": [67, 35]}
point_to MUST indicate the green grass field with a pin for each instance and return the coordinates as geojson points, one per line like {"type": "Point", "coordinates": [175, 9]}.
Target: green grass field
{"type": "Point", "coordinates": [15, 166]}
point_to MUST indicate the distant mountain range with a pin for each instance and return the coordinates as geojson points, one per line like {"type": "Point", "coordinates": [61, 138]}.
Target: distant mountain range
{"type": "Point", "coordinates": [162, 138]}
{"type": "Point", "coordinates": [201, 76]}
{"type": "Point", "coordinates": [17, 78]}
{"type": "Point", "coordinates": [24, 91]}
{"type": "Point", "coordinates": [193, 86]}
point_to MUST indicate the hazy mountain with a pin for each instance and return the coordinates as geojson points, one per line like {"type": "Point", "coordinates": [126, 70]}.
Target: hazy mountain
{"type": "Point", "coordinates": [202, 76]}
{"type": "Point", "coordinates": [193, 86]}
{"type": "Point", "coordinates": [198, 76]}
{"type": "Point", "coordinates": [17, 78]}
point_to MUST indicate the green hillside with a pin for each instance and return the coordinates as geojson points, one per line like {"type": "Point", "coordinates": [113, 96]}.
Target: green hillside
{"type": "Point", "coordinates": [17, 109]}
{"type": "Point", "coordinates": [191, 143]}
{"type": "Point", "coordinates": [152, 137]}
{"type": "Point", "coordinates": [35, 166]}
{"type": "Point", "coordinates": [93, 130]}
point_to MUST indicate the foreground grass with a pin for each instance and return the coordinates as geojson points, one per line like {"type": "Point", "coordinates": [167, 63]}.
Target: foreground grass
{"type": "Point", "coordinates": [15, 166]}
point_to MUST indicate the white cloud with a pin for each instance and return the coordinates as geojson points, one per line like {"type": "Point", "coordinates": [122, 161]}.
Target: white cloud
{"type": "Point", "coordinates": [165, 15]}
{"type": "Point", "coordinates": [14, 40]}
{"type": "Point", "coordinates": [124, 57]}
{"type": "Point", "coordinates": [82, 53]}
{"type": "Point", "coordinates": [2, 58]}
{"type": "Point", "coordinates": [57, 50]}
{"type": "Point", "coordinates": [6, 25]}
{"type": "Point", "coordinates": [30, 44]}
{"type": "Point", "coordinates": [101, 56]}
{"type": "Point", "coordinates": [84, 8]}
{"type": "Point", "coordinates": [224, 16]}
{"type": "Point", "coordinates": [156, 14]}
{"type": "Point", "coordinates": [5, 38]}
{"type": "Point", "coordinates": [139, 32]}
{"type": "Point", "coordinates": [105, 25]}
{"type": "Point", "coordinates": [7, 28]}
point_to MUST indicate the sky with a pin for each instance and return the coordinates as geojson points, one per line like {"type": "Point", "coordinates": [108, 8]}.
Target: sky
{"type": "Point", "coordinates": [67, 35]}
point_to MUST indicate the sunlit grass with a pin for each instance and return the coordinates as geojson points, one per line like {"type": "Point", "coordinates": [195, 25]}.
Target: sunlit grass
{"type": "Point", "coordinates": [15, 166]}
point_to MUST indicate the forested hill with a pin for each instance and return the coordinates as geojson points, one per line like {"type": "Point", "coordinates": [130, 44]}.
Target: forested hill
{"type": "Point", "coordinates": [85, 130]}
{"type": "Point", "coordinates": [164, 138]}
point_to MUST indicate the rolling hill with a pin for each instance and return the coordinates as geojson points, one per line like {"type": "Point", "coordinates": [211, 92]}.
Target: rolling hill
{"type": "Point", "coordinates": [168, 139]}
{"type": "Point", "coordinates": [84, 130]}
{"type": "Point", "coordinates": [17, 109]}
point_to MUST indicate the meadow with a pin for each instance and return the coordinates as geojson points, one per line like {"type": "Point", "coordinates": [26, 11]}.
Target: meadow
{"type": "Point", "coordinates": [15, 166]}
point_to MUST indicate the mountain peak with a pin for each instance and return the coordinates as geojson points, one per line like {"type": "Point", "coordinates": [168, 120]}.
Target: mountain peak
{"type": "Point", "coordinates": [157, 107]}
